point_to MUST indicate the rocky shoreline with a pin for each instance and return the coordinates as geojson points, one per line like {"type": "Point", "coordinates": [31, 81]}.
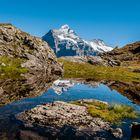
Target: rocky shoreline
{"type": "Point", "coordinates": [60, 116]}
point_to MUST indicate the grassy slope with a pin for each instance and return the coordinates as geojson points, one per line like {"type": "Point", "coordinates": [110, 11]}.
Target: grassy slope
{"type": "Point", "coordinates": [77, 70]}
{"type": "Point", "coordinates": [10, 68]}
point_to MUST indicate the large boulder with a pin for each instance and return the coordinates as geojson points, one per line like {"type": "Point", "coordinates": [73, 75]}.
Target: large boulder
{"type": "Point", "coordinates": [38, 58]}
{"type": "Point", "coordinates": [118, 133]}
{"type": "Point", "coordinates": [61, 119]}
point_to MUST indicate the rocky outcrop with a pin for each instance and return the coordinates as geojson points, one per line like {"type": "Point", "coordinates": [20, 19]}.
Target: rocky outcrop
{"type": "Point", "coordinates": [61, 113]}
{"type": "Point", "coordinates": [59, 119]}
{"type": "Point", "coordinates": [94, 60]}
{"type": "Point", "coordinates": [129, 53]}
{"type": "Point", "coordinates": [126, 56]}
{"type": "Point", "coordinates": [38, 58]}
{"type": "Point", "coordinates": [118, 133]}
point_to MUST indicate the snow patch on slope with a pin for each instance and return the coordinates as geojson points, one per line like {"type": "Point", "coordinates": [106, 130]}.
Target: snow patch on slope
{"type": "Point", "coordinates": [68, 43]}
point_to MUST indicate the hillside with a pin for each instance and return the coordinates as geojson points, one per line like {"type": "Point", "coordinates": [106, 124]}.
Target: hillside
{"type": "Point", "coordinates": [25, 61]}
{"type": "Point", "coordinates": [127, 55]}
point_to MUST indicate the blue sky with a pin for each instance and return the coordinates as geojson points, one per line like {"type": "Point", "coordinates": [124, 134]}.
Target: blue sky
{"type": "Point", "coordinates": [117, 22]}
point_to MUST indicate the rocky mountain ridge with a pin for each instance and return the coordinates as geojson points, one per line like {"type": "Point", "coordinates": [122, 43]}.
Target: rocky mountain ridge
{"type": "Point", "coordinates": [127, 55]}
{"type": "Point", "coordinates": [65, 42]}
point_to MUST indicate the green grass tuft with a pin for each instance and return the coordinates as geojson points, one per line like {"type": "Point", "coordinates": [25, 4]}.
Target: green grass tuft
{"type": "Point", "coordinates": [10, 68]}
{"type": "Point", "coordinates": [85, 71]}
{"type": "Point", "coordinates": [111, 113]}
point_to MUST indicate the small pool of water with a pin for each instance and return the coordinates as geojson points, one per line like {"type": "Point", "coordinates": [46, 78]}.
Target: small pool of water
{"type": "Point", "coordinates": [76, 92]}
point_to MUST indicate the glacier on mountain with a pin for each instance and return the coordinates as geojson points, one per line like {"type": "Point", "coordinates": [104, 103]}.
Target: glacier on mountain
{"type": "Point", "coordinates": [65, 42]}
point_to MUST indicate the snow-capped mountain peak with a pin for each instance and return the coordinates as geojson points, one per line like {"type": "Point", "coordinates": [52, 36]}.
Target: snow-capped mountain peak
{"type": "Point", "coordinates": [98, 41]}
{"type": "Point", "coordinates": [65, 33]}
{"type": "Point", "coordinates": [65, 26]}
{"type": "Point", "coordinates": [65, 42]}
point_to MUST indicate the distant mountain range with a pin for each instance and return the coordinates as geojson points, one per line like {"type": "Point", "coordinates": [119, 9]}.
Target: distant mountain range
{"type": "Point", "coordinates": [65, 42]}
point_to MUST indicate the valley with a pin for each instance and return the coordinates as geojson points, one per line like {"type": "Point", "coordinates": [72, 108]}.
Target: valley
{"type": "Point", "coordinates": [67, 87]}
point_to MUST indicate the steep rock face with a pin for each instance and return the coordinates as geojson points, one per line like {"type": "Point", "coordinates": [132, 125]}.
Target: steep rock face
{"type": "Point", "coordinates": [65, 42]}
{"type": "Point", "coordinates": [39, 58]}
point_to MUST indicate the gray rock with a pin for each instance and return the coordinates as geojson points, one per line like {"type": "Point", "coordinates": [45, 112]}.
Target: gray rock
{"type": "Point", "coordinates": [39, 60]}
{"type": "Point", "coordinates": [93, 60]}
{"type": "Point", "coordinates": [39, 57]}
{"type": "Point", "coordinates": [118, 133]}
{"type": "Point", "coordinates": [61, 114]}
{"type": "Point", "coordinates": [137, 70]}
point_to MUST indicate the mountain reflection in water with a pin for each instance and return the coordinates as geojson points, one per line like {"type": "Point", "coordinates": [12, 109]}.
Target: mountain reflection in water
{"type": "Point", "coordinates": [64, 90]}
{"type": "Point", "coordinates": [59, 86]}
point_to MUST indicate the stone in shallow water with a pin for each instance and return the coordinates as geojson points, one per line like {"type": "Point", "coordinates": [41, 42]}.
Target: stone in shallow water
{"type": "Point", "coordinates": [60, 113]}
{"type": "Point", "coordinates": [118, 133]}
{"type": "Point", "coordinates": [61, 119]}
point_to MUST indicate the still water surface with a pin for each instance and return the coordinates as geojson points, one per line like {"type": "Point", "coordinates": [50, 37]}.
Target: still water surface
{"type": "Point", "coordinates": [8, 125]}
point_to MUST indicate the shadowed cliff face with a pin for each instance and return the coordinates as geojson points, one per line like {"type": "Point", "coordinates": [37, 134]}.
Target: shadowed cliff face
{"type": "Point", "coordinates": [34, 64]}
